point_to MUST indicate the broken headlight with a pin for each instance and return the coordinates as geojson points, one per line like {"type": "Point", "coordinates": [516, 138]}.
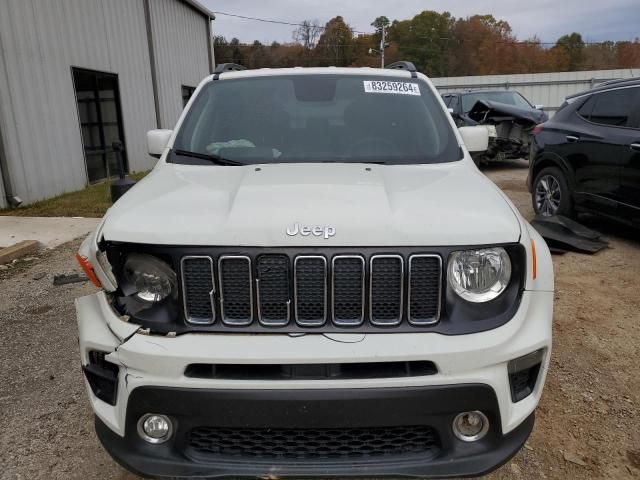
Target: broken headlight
{"type": "Point", "coordinates": [152, 279]}
{"type": "Point", "coordinates": [479, 275]}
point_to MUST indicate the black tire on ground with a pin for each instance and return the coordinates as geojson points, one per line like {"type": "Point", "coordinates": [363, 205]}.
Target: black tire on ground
{"type": "Point", "coordinates": [550, 194]}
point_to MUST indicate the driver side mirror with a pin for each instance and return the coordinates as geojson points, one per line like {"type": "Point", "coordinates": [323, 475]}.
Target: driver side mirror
{"type": "Point", "coordinates": [539, 107]}
{"type": "Point", "coordinates": [475, 138]}
{"type": "Point", "coordinates": [157, 141]}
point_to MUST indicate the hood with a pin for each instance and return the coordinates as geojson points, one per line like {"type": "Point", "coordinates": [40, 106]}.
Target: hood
{"type": "Point", "coordinates": [334, 204]}
{"type": "Point", "coordinates": [487, 108]}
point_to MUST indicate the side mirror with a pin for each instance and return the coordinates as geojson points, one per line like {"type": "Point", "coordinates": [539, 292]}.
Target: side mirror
{"type": "Point", "coordinates": [539, 107]}
{"type": "Point", "coordinates": [157, 141]}
{"type": "Point", "coordinates": [450, 110]}
{"type": "Point", "coordinates": [475, 138]}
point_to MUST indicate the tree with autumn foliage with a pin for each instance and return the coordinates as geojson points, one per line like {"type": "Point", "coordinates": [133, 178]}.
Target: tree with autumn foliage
{"type": "Point", "coordinates": [437, 43]}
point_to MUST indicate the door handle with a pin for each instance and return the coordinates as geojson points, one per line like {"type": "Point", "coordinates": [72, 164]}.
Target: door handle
{"type": "Point", "coordinates": [572, 138]}
{"type": "Point", "coordinates": [635, 146]}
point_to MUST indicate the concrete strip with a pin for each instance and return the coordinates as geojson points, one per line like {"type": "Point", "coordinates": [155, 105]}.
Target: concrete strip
{"type": "Point", "coordinates": [49, 231]}
{"type": "Point", "coordinates": [20, 249]}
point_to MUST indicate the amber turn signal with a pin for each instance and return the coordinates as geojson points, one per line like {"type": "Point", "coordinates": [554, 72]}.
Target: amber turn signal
{"type": "Point", "coordinates": [87, 266]}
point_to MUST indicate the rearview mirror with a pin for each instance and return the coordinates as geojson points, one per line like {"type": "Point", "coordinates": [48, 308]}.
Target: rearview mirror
{"type": "Point", "coordinates": [476, 138]}
{"type": "Point", "coordinates": [157, 141]}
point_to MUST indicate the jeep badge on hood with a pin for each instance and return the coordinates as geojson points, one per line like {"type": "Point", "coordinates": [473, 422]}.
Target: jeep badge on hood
{"type": "Point", "coordinates": [318, 231]}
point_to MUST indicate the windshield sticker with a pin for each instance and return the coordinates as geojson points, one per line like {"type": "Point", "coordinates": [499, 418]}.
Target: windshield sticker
{"type": "Point", "coordinates": [399, 88]}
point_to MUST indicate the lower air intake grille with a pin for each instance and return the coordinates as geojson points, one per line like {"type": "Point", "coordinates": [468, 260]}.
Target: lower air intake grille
{"type": "Point", "coordinates": [197, 278]}
{"type": "Point", "coordinates": [313, 444]}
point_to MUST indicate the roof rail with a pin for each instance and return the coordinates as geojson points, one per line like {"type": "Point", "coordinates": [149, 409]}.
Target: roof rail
{"type": "Point", "coordinates": [227, 67]}
{"type": "Point", "coordinates": [408, 66]}
{"type": "Point", "coordinates": [615, 81]}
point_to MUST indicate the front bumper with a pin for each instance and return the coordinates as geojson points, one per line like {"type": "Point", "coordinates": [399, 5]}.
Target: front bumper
{"type": "Point", "coordinates": [472, 375]}
{"type": "Point", "coordinates": [318, 409]}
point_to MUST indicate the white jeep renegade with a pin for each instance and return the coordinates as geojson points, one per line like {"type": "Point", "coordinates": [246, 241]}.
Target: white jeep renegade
{"type": "Point", "coordinates": [315, 279]}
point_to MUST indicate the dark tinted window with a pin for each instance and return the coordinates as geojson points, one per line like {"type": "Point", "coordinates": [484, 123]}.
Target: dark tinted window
{"type": "Point", "coordinates": [319, 118]}
{"type": "Point", "coordinates": [610, 108]}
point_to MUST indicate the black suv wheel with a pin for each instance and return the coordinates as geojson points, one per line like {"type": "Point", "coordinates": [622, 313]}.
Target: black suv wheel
{"type": "Point", "coordinates": [550, 194]}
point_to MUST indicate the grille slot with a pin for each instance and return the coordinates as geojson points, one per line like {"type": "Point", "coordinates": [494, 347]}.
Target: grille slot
{"type": "Point", "coordinates": [236, 305]}
{"type": "Point", "coordinates": [386, 289]}
{"type": "Point", "coordinates": [310, 286]}
{"type": "Point", "coordinates": [348, 272]}
{"type": "Point", "coordinates": [313, 444]}
{"type": "Point", "coordinates": [272, 288]}
{"type": "Point", "coordinates": [198, 289]}
{"type": "Point", "coordinates": [425, 283]}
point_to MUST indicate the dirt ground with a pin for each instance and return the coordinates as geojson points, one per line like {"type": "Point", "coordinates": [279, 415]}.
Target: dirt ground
{"type": "Point", "coordinates": [588, 423]}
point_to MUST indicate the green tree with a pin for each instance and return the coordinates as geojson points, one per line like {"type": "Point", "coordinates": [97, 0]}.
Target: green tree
{"type": "Point", "coordinates": [573, 46]}
{"type": "Point", "coordinates": [424, 40]}
{"type": "Point", "coordinates": [335, 44]}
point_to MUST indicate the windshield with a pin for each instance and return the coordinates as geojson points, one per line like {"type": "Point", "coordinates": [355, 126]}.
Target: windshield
{"type": "Point", "coordinates": [317, 118]}
{"type": "Point", "coordinates": [510, 98]}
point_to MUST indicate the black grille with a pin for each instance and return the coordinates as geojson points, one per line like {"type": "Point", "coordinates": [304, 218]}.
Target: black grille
{"type": "Point", "coordinates": [197, 275]}
{"type": "Point", "coordinates": [235, 290]}
{"type": "Point", "coordinates": [311, 293]}
{"type": "Point", "coordinates": [424, 289]}
{"type": "Point", "coordinates": [386, 290]}
{"type": "Point", "coordinates": [314, 444]}
{"type": "Point", "coordinates": [273, 289]}
{"type": "Point", "coordinates": [339, 290]}
{"type": "Point", "coordinates": [348, 290]}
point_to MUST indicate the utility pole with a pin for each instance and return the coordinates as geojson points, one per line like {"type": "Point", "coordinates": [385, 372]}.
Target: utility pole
{"type": "Point", "coordinates": [382, 47]}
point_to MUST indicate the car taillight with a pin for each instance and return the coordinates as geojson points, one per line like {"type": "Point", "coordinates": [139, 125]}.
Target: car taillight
{"type": "Point", "coordinates": [537, 129]}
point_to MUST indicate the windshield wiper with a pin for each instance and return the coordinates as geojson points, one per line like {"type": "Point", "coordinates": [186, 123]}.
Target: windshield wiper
{"type": "Point", "coordinates": [210, 157]}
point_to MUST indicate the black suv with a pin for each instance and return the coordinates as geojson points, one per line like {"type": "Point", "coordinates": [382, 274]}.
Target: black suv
{"type": "Point", "coordinates": [587, 158]}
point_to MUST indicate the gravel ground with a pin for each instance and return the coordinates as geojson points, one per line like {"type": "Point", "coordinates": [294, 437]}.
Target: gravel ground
{"type": "Point", "coordinates": [587, 424]}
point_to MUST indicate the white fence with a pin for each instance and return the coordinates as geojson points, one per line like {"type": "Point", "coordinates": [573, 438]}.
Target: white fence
{"type": "Point", "coordinates": [548, 89]}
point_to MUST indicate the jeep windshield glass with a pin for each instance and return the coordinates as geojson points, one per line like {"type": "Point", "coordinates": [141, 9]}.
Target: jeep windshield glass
{"type": "Point", "coordinates": [509, 98]}
{"type": "Point", "coordinates": [317, 118]}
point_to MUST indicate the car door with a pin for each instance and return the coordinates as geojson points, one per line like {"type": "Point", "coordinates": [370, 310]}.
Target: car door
{"type": "Point", "coordinates": [597, 147]}
{"type": "Point", "coordinates": [630, 181]}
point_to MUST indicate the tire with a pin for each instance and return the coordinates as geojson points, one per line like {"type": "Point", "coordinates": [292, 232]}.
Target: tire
{"type": "Point", "coordinates": [550, 194]}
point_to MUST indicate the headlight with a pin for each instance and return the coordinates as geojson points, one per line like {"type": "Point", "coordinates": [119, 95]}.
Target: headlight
{"type": "Point", "coordinates": [479, 275]}
{"type": "Point", "coordinates": [152, 278]}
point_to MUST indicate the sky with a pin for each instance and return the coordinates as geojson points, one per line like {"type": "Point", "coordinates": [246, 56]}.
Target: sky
{"type": "Point", "coordinates": [596, 20]}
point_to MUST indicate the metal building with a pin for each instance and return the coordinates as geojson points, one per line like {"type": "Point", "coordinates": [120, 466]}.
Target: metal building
{"type": "Point", "coordinates": [77, 75]}
{"type": "Point", "coordinates": [548, 89]}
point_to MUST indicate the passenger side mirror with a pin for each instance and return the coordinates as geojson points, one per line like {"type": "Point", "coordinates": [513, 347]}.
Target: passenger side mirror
{"type": "Point", "coordinates": [157, 141]}
{"type": "Point", "coordinates": [539, 107]}
{"type": "Point", "coordinates": [476, 138]}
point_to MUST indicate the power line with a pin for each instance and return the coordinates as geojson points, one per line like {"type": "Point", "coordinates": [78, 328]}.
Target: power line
{"type": "Point", "coordinates": [280, 22]}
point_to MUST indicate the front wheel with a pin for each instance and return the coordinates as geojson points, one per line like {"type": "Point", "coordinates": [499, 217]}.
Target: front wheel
{"type": "Point", "coordinates": [551, 195]}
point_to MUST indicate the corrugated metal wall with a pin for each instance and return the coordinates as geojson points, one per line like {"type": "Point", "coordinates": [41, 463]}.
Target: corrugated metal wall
{"type": "Point", "coordinates": [181, 52]}
{"type": "Point", "coordinates": [548, 89]}
{"type": "Point", "coordinates": [39, 43]}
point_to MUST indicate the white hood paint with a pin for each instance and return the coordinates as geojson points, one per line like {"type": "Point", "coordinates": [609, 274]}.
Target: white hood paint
{"type": "Point", "coordinates": [368, 205]}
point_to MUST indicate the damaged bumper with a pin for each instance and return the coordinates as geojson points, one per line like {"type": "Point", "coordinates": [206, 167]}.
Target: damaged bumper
{"type": "Point", "coordinates": [472, 373]}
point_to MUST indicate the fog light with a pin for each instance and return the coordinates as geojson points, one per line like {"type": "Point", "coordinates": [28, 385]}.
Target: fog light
{"type": "Point", "coordinates": [155, 428]}
{"type": "Point", "coordinates": [470, 426]}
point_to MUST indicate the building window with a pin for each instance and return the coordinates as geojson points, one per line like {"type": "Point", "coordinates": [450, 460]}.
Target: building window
{"type": "Point", "coordinates": [186, 94]}
{"type": "Point", "coordinates": [98, 100]}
